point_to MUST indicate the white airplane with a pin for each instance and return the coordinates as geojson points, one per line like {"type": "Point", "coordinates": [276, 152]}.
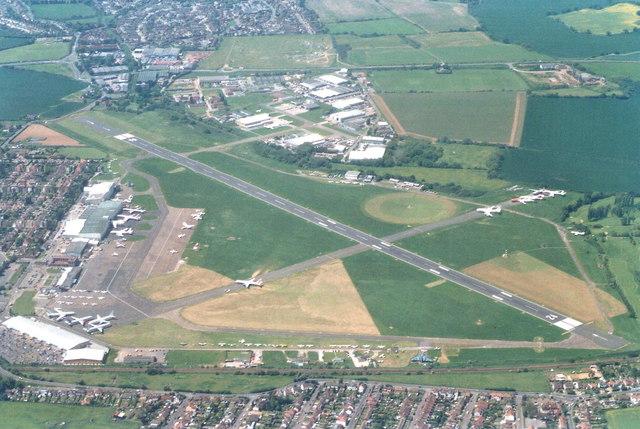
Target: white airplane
{"type": "Point", "coordinates": [173, 251]}
{"type": "Point", "coordinates": [120, 244]}
{"type": "Point", "coordinates": [102, 319]}
{"type": "Point", "coordinates": [118, 223]}
{"type": "Point", "coordinates": [185, 225]}
{"type": "Point", "coordinates": [250, 282]}
{"type": "Point", "coordinates": [97, 328]}
{"type": "Point", "coordinates": [79, 320]}
{"type": "Point", "coordinates": [198, 215]}
{"type": "Point", "coordinates": [115, 254]}
{"type": "Point", "coordinates": [489, 211]}
{"type": "Point", "coordinates": [57, 314]}
{"type": "Point", "coordinates": [578, 233]}
{"type": "Point", "coordinates": [134, 210]}
{"type": "Point", "coordinates": [121, 232]}
{"type": "Point", "coordinates": [129, 217]}
{"type": "Point", "coordinates": [182, 235]}
{"type": "Point", "coordinates": [526, 199]}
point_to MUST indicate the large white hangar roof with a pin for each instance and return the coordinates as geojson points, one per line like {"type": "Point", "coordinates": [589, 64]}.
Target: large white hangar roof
{"type": "Point", "coordinates": [47, 333]}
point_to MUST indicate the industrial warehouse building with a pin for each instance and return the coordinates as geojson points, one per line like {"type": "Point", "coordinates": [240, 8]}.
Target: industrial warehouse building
{"type": "Point", "coordinates": [94, 223]}
{"type": "Point", "coordinates": [78, 349]}
{"type": "Point", "coordinates": [98, 192]}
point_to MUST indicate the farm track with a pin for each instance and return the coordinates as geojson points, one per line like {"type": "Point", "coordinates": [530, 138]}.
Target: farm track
{"type": "Point", "coordinates": [518, 119]}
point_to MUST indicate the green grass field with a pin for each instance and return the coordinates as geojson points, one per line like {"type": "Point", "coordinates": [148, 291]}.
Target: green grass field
{"type": "Point", "coordinates": [195, 358]}
{"type": "Point", "coordinates": [25, 92]}
{"type": "Point", "coordinates": [623, 419]}
{"type": "Point", "coordinates": [41, 50]}
{"type": "Point", "coordinates": [374, 27]}
{"type": "Point", "coordinates": [239, 235]}
{"type": "Point", "coordinates": [139, 183]}
{"type": "Point", "coordinates": [614, 19]}
{"type": "Point", "coordinates": [480, 116]}
{"type": "Point", "coordinates": [491, 238]}
{"type": "Point", "coordinates": [146, 202]}
{"type": "Point", "coordinates": [162, 128]}
{"type": "Point", "coordinates": [615, 71]}
{"type": "Point", "coordinates": [338, 11]}
{"type": "Point", "coordinates": [24, 305]}
{"type": "Point", "coordinates": [515, 357]}
{"type": "Point", "coordinates": [342, 202]}
{"type": "Point", "coordinates": [400, 304]}
{"type": "Point", "coordinates": [272, 52]}
{"type": "Point", "coordinates": [29, 415]}
{"type": "Point", "coordinates": [433, 16]}
{"type": "Point", "coordinates": [533, 381]}
{"type": "Point", "coordinates": [580, 144]}
{"type": "Point", "coordinates": [54, 68]}
{"type": "Point", "coordinates": [459, 80]}
{"type": "Point", "coordinates": [63, 11]}
{"type": "Point", "coordinates": [215, 383]}
{"type": "Point", "coordinates": [465, 47]}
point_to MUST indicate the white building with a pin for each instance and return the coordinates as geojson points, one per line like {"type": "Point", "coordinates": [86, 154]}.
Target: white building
{"type": "Point", "coordinates": [346, 103]}
{"type": "Point", "coordinates": [367, 152]}
{"type": "Point", "coordinates": [332, 79]}
{"type": "Point", "coordinates": [296, 141]}
{"type": "Point", "coordinates": [99, 192]}
{"type": "Point", "coordinates": [254, 121]}
{"type": "Point", "coordinates": [352, 175]}
{"type": "Point", "coordinates": [325, 93]}
{"type": "Point", "coordinates": [345, 115]}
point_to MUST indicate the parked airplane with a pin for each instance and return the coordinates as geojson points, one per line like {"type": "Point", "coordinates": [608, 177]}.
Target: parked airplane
{"type": "Point", "coordinates": [250, 282]}
{"type": "Point", "coordinates": [129, 217]}
{"type": "Point", "coordinates": [181, 235]}
{"type": "Point", "coordinates": [198, 215]}
{"type": "Point", "coordinates": [79, 320]}
{"type": "Point", "coordinates": [57, 314]}
{"type": "Point", "coordinates": [120, 244]}
{"type": "Point", "coordinates": [173, 251]}
{"type": "Point", "coordinates": [489, 211]}
{"type": "Point", "coordinates": [134, 210]}
{"type": "Point", "coordinates": [185, 225]}
{"type": "Point", "coordinates": [101, 319]}
{"type": "Point", "coordinates": [118, 223]}
{"type": "Point", "coordinates": [121, 232]}
{"type": "Point", "coordinates": [115, 254]}
{"type": "Point", "coordinates": [97, 328]}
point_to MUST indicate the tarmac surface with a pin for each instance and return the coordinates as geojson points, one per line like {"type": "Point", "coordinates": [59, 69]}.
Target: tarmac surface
{"type": "Point", "coordinates": [564, 322]}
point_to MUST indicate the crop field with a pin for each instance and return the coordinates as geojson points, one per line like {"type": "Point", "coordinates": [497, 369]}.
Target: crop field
{"type": "Point", "coordinates": [374, 27]}
{"type": "Point", "coordinates": [322, 299]}
{"type": "Point", "coordinates": [459, 80]}
{"type": "Point", "coordinates": [578, 144]}
{"type": "Point", "coordinates": [537, 281]}
{"type": "Point", "coordinates": [39, 134]}
{"type": "Point", "coordinates": [623, 419]}
{"type": "Point", "coordinates": [531, 24]}
{"type": "Point", "coordinates": [433, 16]}
{"type": "Point", "coordinates": [462, 47]}
{"type": "Point", "coordinates": [480, 116]}
{"type": "Point", "coordinates": [401, 304]}
{"type": "Point", "coordinates": [24, 91]}
{"type": "Point", "coordinates": [184, 281]}
{"type": "Point", "coordinates": [41, 50]}
{"type": "Point", "coordinates": [492, 237]}
{"type": "Point", "coordinates": [615, 71]}
{"type": "Point", "coordinates": [272, 52]}
{"type": "Point", "coordinates": [158, 127]}
{"type": "Point", "coordinates": [614, 19]}
{"type": "Point", "coordinates": [63, 12]}
{"type": "Point", "coordinates": [8, 42]}
{"type": "Point", "coordinates": [239, 235]}
{"type": "Point", "coordinates": [29, 415]}
{"type": "Point", "coordinates": [342, 202]}
{"type": "Point", "coordinates": [339, 11]}
{"type": "Point", "coordinates": [410, 208]}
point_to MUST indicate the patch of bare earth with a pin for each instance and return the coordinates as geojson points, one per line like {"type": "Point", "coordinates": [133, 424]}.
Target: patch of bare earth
{"type": "Point", "coordinates": [322, 299]}
{"type": "Point", "coordinates": [185, 281]}
{"type": "Point", "coordinates": [40, 134]}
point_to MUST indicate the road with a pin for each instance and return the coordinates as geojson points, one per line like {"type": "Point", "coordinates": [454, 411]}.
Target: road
{"type": "Point", "coordinates": [492, 292]}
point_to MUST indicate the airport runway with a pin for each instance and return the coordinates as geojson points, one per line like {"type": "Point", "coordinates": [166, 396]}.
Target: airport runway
{"type": "Point", "coordinates": [492, 292]}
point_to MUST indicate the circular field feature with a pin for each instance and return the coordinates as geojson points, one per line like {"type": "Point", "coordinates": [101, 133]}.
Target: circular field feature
{"type": "Point", "coordinates": [409, 208]}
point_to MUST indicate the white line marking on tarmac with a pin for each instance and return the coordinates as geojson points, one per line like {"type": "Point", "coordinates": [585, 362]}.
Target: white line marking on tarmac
{"type": "Point", "coordinates": [443, 268]}
{"type": "Point", "coordinates": [376, 247]}
{"type": "Point", "coordinates": [499, 298]}
{"type": "Point", "coordinates": [506, 294]}
{"type": "Point", "coordinates": [436, 272]}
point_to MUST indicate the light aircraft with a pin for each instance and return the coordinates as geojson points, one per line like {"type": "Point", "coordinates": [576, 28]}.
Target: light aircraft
{"type": "Point", "coordinates": [121, 232]}
{"type": "Point", "coordinates": [115, 254]}
{"type": "Point", "coordinates": [185, 225]}
{"type": "Point", "coordinates": [101, 319]}
{"type": "Point", "coordinates": [79, 320]}
{"type": "Point", "coordinates": [173, 251]}
{"type": "Point", "coordinates": [250, 282]}
{"type": "Point", "coordinates": [57, 314]}
{"type": "Point", "coordinates": [198, 215]}
{"type": "Point", "coordinates": [120, 244]}
{"type": "Point", "coordinates": [578, 232]}
{"type": "Point", "coordinates": [181, 235]}
{"type": "Point", "coordinates": [489, 211]}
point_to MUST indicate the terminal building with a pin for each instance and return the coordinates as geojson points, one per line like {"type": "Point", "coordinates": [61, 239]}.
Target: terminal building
{"type": "Point", "coordinates": [78, 349]}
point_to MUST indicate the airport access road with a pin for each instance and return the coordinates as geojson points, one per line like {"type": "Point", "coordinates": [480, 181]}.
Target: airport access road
{"type": "Point", "coordinates": [565, 323]}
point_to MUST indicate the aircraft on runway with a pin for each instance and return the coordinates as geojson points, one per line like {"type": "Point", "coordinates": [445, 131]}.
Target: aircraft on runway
{"type": "Point", "coordinates": [185, 225]}
{"type": "Point", "coordinates": [79, 320]}
{"type": "Point", "coordinates": [97, 327]}
{"type": "Point", "coordinates": [489, 211]}
{"type": "Point", "coordinates": [122, 232]}
{"type": "Point", "coordinates": [181, 235]}
{"type": "Point", "coordinates": [250, 282]}
{"type": "Point", "coordinates": [57, 314]}
{"type": "Point", "coordinates": [173, 251]}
